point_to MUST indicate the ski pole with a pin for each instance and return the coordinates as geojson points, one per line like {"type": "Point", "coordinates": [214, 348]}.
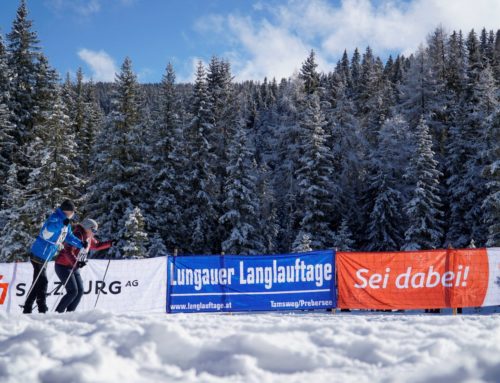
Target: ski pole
{"type": "Point", "coordinates": [81, 255]}
{"type": "Point", "coordinates": [59, 242]}
{"type": "Point", "coordinates": [103, 279]}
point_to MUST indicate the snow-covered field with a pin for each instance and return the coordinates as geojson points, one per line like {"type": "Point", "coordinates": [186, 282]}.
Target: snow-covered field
{"type": "Point", "coordinates": [292, 347]}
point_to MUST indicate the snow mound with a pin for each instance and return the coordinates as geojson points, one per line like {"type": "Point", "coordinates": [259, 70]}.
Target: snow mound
{"type": "Point", "coordinates": [315, 347]}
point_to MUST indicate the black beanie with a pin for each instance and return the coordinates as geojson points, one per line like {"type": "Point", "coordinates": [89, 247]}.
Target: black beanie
{"type": "Point", "coordinates": [67, 205]}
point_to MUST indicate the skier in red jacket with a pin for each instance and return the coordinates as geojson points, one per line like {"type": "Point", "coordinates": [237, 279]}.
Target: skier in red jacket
{"type": "Point", "coordinates": [67, 264]}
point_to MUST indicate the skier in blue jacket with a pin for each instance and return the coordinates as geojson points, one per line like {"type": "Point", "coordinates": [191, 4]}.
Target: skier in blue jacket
{"type": "Point", "coordinates": [54, 233]}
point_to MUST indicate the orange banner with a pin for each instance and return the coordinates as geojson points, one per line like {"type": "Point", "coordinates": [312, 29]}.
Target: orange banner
{"type": "Point", "coordinates": [412, 279]}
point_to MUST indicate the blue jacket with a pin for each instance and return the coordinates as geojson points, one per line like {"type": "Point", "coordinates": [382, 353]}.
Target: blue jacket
{"type": "Point", "coordinates": [46, 246]}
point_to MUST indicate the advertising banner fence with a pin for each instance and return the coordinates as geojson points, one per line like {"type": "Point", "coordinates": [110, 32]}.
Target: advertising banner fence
{"type": "Point", "coordinates": [137, 285]}
{"type": "Point", "coordinates": [419, 279]}
{"type": "Point", "coordinates": [251, 283]}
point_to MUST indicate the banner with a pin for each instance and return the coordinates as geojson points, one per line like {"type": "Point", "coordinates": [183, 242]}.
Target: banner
{"type": "Point", "coordinates": [419, 279]}
{"type": "Point", "coordinates": [251, 283]}
{"type": "Point", "coordinates": [136, 285]}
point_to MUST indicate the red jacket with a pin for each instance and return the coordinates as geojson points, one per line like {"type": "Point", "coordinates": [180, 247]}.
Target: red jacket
{"type": "Point", "coordinates": [68, 256]}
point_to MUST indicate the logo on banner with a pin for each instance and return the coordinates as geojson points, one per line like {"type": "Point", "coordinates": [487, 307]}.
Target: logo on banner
{"type": "Point", "coordinates": [93, 287]}
{"type": "Point", "coordinates": [4, 287]}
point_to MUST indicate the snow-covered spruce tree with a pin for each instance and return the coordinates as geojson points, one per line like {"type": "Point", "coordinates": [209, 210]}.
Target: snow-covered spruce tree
{"type": "Point", "coordinates": [23, 56]}
{"type": "Point", "coordinates": [241, 207]}
{"type": "Point", "coordinates": [200, 213]}
{"type": "Point", "coordinates": [373, 96]}
{"type": "Point", "coordinates": [385, 230]}
{"type": "Point", "coordinates": [424, 209]}
{"type": "Point", "coordinates": [496, 58]}
{"type": "Point", "coordinates": [491, 204]}
{"type": "Point", "coordinates": [385, 192]}
{"type": "Point", "coordinates": [343, 238]}
{"type": "Point", "coordinates": [15, 236]}
{"type": "Point", "coordinates": [167, 162]}
{"type": "Point", "coordinates": [134, 241]}
{"type": "Point", "coordinates": [80, 116]}
{"type": "Point", "coordinates": [223, 117]}
{"type": "Point", "coordinates": [68, 96]}
{"type": "Point", "coordinates": [268, 217]}
{"type": "Point", "coordinates": [92, 125]}
{"type": "Point", "coordinates": [7, 139]}
{"type": "Point", "coordinates": [288, 152]}
{"type": "Point", "coordinates": [157, 247]}
{"type": "Point", "coordinates": [466, 142]}
{"type": "Point", "coordinates": [117, 185]}
{"type": "Point", "coordinates": [302, 243]}
{"type": "Point", "coordinates": [317, 191]}
{"type": "Point", "coordinates": [51, 151]}
{"type": "Point", "coordinates": [349, 150]}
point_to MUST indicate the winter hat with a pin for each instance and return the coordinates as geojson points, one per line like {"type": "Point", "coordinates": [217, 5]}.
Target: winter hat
{"type": "Point", "coordinates": [67, 205]}
{"type": "Point", "coordinates": [89, 224]}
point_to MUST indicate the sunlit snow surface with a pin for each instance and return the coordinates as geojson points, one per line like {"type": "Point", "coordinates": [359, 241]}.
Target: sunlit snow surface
{"type": "Point", "coordinates": [291, 347]}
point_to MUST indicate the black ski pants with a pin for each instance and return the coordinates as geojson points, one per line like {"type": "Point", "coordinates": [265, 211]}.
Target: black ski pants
{"type": "Point", "coordinates": [39, 290]}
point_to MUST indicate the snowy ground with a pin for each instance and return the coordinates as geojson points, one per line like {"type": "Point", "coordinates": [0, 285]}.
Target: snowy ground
{"type": "Point", "coordinates": [292, 347]}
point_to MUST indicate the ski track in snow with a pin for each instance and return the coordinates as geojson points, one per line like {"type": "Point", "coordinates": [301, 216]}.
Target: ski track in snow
{"type": "Point", "coordinates": [293, 347]}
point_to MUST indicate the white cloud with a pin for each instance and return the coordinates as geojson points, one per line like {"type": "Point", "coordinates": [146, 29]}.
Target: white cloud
{"type": "Point", "coordinates": [277, 44]}
{"type": "Point", "coordinates": [101, 64]}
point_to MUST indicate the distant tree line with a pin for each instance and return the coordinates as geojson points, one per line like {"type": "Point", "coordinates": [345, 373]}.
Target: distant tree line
{"type": "Point", "coordinates": [369, 156]}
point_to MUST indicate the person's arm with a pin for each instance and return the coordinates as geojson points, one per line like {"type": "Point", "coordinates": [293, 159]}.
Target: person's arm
{"type": "Point", "coordinates": [70, 251]}
{"type": "Point", "coordinates": [54, 224]}
{"type": "Point", "coordinates": [72, 240]}
{"type": "Point", "coordinates": [96, 245]}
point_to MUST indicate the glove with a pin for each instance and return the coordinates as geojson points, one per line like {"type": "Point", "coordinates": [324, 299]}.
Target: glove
{"type": "Point", "coordinates": [81, 264]}
{"type": "Point", "coordinates": [66, 221]}
{"type": "Point", "coordinates": [85, 244]}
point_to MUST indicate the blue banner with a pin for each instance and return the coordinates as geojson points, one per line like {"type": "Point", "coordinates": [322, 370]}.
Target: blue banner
{"type": "Point", "coordinates": [301, 281]}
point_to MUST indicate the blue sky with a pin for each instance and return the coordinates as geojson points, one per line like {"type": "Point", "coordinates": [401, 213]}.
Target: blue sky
{"type": "Point", "coordinates": [260, 37]}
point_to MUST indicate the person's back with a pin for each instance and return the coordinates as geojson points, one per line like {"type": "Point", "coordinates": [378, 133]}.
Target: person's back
{"type": "Point", "coordinates": [55, 231]}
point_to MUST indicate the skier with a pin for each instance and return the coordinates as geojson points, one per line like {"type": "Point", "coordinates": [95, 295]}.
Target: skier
{"type": "Point", "coordinates": [68, 264]}
{"type": "Point", "coordinates": [55, 231]}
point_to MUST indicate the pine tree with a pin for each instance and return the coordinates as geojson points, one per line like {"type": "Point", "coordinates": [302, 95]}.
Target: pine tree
{"type": "Point", "coordinates": [309, 75]}
{"type": "Point", "coordinates": [7, 128]}
{"type": "Point", "coordinates": [240, 206]}
{"type": "Point", "coordinates": [200, 213]}
{"type": "Point", "coordinates": [344, 238]}
{"type": "Point", "coordinates": [467, 188]}
{"type": "Point", "coordinates": [222, 115]}
{"type": "Point", "coordinates": [288, 152]}
{"type": "Point", "coordinates": [424, 208]}
{"type": "Point", "coordinates": [52, 175]}
{"type": "Point", "coordinates": [168, 162]}
{"type": "Point", "coordinates": [302, 243]}
{"type": "Point", "coordinates": [491, 204]}
{"type": "Point", "coordinates": [23, 56]}
{"type": "Point", "coordinates": [80, 105]}
{"type": "Point", "coordinates": [90, 129]}
{"type": "Point", "coordinates": [15, 236]}
{"type": "Point", "coordinates": [385, 191]}
{"type": "Point", "coordinates": [385, 225]}
{"type": "Point", "coordinates": [117, 187]}
{"type": "Point", "coordinates": [157, 247]}
{"type": "Point", "coordinates": [134, 239]}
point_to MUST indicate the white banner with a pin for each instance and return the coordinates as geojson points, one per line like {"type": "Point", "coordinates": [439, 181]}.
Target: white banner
{"type": "Point", "coordinates": [493, 292]}
{"type": "Point", "coordinates": [136, 285]}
